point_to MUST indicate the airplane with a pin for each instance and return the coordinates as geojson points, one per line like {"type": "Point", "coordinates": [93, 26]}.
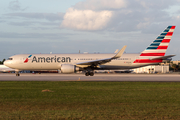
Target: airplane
{"type": "Point", "coordinates": [70, 63]}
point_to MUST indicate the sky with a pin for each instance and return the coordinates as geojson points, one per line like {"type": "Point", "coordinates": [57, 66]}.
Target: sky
{"type": "Point", "coordinates": [93, 26]}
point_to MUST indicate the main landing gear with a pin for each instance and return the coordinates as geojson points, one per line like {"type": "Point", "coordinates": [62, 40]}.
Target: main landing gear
{"type": "Point", "coordinates": [89, 73]}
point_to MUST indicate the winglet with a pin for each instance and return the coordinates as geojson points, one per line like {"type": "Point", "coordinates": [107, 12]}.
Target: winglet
{"type": "Point", "coordinates": [119, 54]}
{"type": "Point", "coordinates": [116, 51]}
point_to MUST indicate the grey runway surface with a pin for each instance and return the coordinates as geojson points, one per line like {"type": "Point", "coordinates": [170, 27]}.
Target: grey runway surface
{"type": "Point", "coordinates": [96, 77]}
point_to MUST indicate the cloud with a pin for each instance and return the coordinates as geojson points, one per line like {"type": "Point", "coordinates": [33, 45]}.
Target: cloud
{"type": "Point", "coordinates": [86, 19]}
{"type": "Point", "coordinates": [121, 15]}
{"type": "Point", "coordinates": [31, 24]}
{"type": "Point", "coordinates": [91, 14]}
{"type": "Point", "coordinates": [101, 4]}
{"type": "Point", "coordinates": [178, 17]}
{"type": "Point", "coordinates": [15, 6]}
{"type": "Point", "coordinates": [47, 16]}
{"type": "Point", "coordinates": [34, 36]}
{"type": "Point", "coordinates": [2, 21]}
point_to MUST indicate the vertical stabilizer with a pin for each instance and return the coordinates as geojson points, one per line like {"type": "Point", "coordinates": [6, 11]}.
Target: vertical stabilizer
{"type": "Point", "coordinates": [159, 46]}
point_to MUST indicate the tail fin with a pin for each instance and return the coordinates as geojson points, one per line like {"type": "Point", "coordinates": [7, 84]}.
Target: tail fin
{"type": "Point", "coordinates": [159, 46]}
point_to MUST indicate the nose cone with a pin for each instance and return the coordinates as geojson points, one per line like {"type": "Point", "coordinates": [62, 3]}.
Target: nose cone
{"type": "Point", "coordinates": [7, 63]}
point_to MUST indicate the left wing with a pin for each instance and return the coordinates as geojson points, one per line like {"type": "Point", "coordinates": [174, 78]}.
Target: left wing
{"type": "Point", "coordinates": [101, 61]}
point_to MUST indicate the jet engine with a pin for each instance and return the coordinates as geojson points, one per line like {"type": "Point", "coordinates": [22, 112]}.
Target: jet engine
{"type": "Point", "coordinates": [69, 68]}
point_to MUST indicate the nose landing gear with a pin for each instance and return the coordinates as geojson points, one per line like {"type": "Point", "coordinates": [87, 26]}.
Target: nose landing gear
{"type": "Point", "coordinates": [17, 73]}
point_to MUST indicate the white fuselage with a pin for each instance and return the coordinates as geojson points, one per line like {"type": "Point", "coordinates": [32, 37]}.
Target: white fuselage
{"type": "Point", "coordinates": [54, 61]}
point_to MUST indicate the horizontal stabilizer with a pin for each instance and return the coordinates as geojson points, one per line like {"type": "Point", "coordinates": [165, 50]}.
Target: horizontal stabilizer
{"type": "Point", "coordinates": [163, 57]}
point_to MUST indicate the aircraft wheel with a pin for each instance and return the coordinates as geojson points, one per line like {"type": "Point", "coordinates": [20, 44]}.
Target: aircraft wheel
{"type": "Point", "coordinates": [87, 73]}
{"type": "Point", "coordinates": [91, 73]}
{"type": "Point", "coordinates": [17, 74]}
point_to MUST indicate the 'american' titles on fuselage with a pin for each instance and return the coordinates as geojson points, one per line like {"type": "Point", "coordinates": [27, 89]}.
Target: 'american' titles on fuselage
{"type": "Point", "coordinates": [51, 59]}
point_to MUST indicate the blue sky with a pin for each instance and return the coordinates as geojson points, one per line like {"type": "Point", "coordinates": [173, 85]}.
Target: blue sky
{"type": "Point", "coordinates": [59, 26]}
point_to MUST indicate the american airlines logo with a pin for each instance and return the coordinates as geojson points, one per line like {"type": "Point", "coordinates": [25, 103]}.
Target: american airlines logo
{"type": "Point", "coordinates": [51, 59]}
{"type": "Point", "coordinates": [27, 59]}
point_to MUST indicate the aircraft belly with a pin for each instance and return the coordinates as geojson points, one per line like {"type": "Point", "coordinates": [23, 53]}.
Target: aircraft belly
{"type": "Point", "coordinates": [124, 66]}
{"type": "Point", "coordinates": [39, 66]}
{"type": "Point", "coordinates": [112, 67]}
{"type": "Point", "coordinates": [136, 65]}
{"type": "Point", "coordinates": [117, 64]}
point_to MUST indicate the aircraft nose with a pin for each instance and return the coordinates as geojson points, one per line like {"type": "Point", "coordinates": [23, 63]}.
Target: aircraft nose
{"type": "Point", "coordinates": [7, 63]}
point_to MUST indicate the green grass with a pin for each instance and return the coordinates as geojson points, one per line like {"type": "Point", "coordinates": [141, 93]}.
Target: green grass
{"type": "Point", "coordinates": [90, 100]}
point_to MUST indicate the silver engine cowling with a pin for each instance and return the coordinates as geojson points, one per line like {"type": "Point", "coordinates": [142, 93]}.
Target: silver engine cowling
{"type": "Point", "coordinates": [69, 68]}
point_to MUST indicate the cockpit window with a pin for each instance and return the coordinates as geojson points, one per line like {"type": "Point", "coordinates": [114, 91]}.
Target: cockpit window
{"type": "Point", "coordinates": [10, 58]}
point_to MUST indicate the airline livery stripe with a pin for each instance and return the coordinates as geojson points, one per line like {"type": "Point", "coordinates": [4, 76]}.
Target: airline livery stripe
{"type": "Point", "coordinates": [167, 37]}
{"type": "Point", "coordinates": [173, 27]}
{"type": "Point", "coordinates": [155, 44]}
{"type": "Point", "coordinates": [169, 27]}
{"type": "Point", "coordinates": [164, 44]}
{"type": "Point", "coordinates": [152, 54]}
{"type": "Point", "coordinates": [151, 48]}
{"type": "Point", "coordinates": [163, 33]}
{"type": "Point", "coordinates": [166, 31]}
{"type": "Point", "coordinates": [162, 47]}
{"type": "Point", "coordinates": [169, 34]}
{"type": "Point", "coordinates": [171, 30]}
{"type": "Point", "coordinates": [158, 41]}
{"type": "Point", "coordinates": [154, 51]}
{"type": "Point", "coordinates": [146, 61]}
{"type": "Point", "coordinates": [160, 37]}
{"type": "Point", "coordinates": [166, 40]}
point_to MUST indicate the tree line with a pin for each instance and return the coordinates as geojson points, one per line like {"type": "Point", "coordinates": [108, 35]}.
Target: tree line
{"type": "Point", "coordinates": [175, 67]}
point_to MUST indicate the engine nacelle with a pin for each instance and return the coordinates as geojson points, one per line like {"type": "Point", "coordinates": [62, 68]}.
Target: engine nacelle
{"type": "Point", "coordinates": [69, 68]}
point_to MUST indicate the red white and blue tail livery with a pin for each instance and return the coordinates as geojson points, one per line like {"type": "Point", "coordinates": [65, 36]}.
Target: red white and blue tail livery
{"type": "Point", "coordinates": [160, 44]}
{"type": "Point", "coordinates": [157, 48]}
